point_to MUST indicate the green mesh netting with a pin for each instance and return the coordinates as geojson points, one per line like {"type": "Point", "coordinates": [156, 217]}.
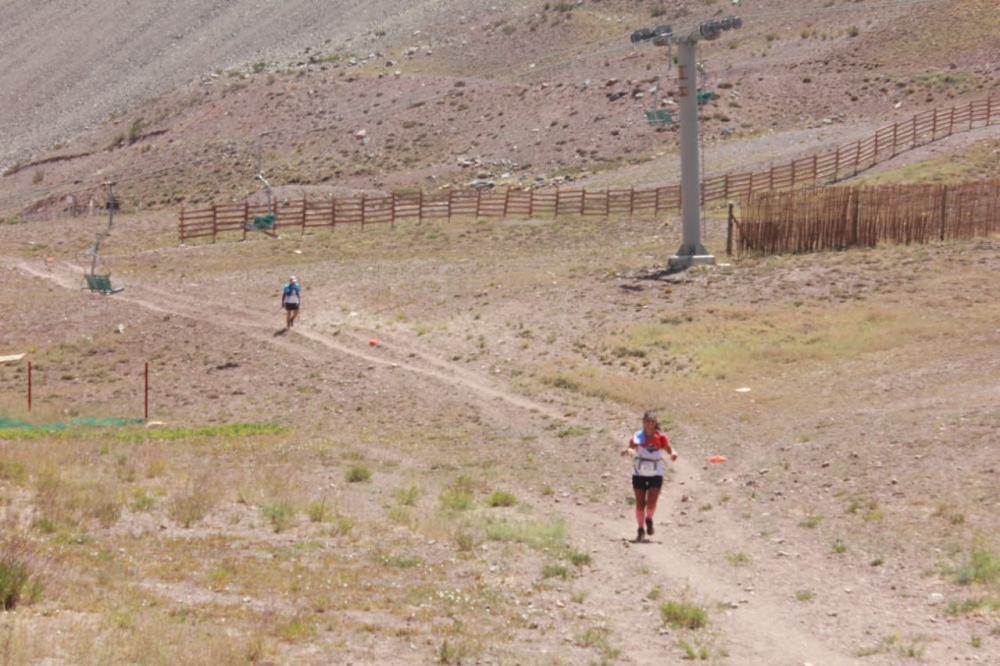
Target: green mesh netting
{"type": "Point", "coordinates": [75, 423]}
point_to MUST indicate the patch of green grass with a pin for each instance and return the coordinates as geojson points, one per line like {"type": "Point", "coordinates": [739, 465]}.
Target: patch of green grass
{"type": "Point", "coordinates": [318, 511]}
{"type": "Point", "coordinates": [454, 499]}
{"type": "Point", "coordinates": [342, 525]}
{"type": "Point", "coordinates": [810, 521]}
{"type": "Point", "coordinates": [235, 430]}
{"type": "Point", "coordinates": [194, 502]}
{"type": "Point", "coordinates": [694, 652]}
{"type": "Point", "coordinates": [739, 559]}
{"type": "Point", "coordinates": [140, 500]}
{"type": "Point", "coordinates": [683, 615]}
{"type": "Point", "coordinates": [296, 629]}
{"type": "Point", "coordinates": [973, 605]}
{"type": "Point", "coordinates": [501, 498]}
{"type": "Point", "coordinates": [280, 514]}
{"type": "Point", "coordinates": [455, 652]}
{"type": "Point", "coordinates": [357, 473]}
{"type": "Point", "coordinates": [538, 535]}
{"type": "Point", "coordinates": [555, 571]}
{"type": "Point", "coordinates": [19, 579]}
{"type": "Point", "coordinates": [459, 495]}
{"type": "Point", "coordinates": [982, 567]}
{"type": "Point", "coordinates": [407, 496]}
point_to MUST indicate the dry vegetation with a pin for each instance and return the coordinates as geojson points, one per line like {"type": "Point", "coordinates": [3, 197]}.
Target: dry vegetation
{"type": "Point", "coordinates": [426, 470]}
{"type": "Point", "coordinates": [453, 493]}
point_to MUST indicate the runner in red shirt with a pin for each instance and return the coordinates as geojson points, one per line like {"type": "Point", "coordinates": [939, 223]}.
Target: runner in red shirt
{"type": "Point", "coordinates": [647, 446]}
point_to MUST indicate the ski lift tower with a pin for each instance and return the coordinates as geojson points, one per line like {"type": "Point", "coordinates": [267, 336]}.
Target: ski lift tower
{"type": "Point", "coordinates": [691, 252]}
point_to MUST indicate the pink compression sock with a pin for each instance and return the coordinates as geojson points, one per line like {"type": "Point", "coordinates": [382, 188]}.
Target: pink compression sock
{"type": "Point", "coordinates": [639, 517]}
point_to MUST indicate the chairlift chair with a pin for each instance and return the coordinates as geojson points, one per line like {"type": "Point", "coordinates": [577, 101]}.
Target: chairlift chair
{"type": "Point", "coordinates": [101, 284]}
{"type": "Point", "coordinates": [264, 223]}
{"type": "Point", "coordinates": [659, 117]}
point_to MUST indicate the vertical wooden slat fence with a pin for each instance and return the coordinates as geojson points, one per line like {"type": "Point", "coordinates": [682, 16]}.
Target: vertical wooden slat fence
{"type": "Point", "coordinates": [840, 217]}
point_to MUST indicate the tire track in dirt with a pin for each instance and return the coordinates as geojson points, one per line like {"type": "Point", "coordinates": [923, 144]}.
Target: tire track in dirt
{"type": "Point", "coordinates": [261, 327]}
{"type": "Point", "coordinates": [754, 629]}
{"type": "Point", "coordinates": [759, 634]}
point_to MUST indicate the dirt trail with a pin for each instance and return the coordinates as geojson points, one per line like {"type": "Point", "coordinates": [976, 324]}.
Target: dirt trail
{"type": "Point", "coordinates": [754, 629]}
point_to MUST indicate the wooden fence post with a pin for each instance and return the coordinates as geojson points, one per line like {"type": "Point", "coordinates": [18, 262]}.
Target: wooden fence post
{"type": "Point", "coordinates": [856, 222]}
{"type": "Point", "coordinates": [944, 209]}
{"type": "Point", "coordinates": [729, 232]}
{"type": "Point", "coordinates": [246, 218]}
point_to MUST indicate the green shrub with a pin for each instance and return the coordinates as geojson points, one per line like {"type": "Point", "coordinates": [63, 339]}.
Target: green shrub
{"type": "Point", "coordinates": [555, 571]}
{"type": "Point", "coordinates": [357, 473]}
{"type": "Point", "coordinates": [280, 515]}
{"type": "Point", "coordinates": [982, 567]}
{"type": "Point", "coordinates": [683, 615]}
{"type": "Point", "coordinates": [318, 511]}
{"type": "Point", "coordinates": [501, 498]}
{"type": "Point", "coordinates": [18, 579]}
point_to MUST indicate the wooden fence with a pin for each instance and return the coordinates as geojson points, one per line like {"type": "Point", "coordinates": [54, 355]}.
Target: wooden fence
{"type": "Point", "coordinates": [390, 208]}
{"type": "Point", "coordinates": [843, 162]}
{"type": "Point", "coordinates": [841, 217]}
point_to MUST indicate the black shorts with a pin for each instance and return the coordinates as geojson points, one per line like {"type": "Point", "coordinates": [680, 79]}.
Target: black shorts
{"type": "Point", "coordinates": [291, 306]}
{"type": "Point", "coordinates": [646, 482]}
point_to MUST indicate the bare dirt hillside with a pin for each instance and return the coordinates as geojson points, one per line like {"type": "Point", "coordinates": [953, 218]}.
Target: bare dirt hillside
{"type": "Point", "coordinates": [426, 468]}
{"type": "Point", "coordinates": [68, 66]}
{"type": "Point", "coordinates": [427, 465]}
{"type": "Point", "coordinates": [193, 103]}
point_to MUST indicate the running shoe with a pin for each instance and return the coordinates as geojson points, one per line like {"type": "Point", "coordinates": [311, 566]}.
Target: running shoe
{"type": "Point", "coordinates": [640, 534]}
{"type": "Point", "coordinates": [649, 526]}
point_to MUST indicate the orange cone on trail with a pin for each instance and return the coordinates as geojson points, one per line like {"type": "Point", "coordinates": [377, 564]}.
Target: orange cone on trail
{"type": "Point", "coordinates": [717, 459]}
{"type": "Point", "coordinates": [373, 342]}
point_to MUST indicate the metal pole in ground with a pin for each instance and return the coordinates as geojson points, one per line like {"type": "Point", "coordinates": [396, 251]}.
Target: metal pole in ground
{"type": "Point", "coordinates": [691, 252]}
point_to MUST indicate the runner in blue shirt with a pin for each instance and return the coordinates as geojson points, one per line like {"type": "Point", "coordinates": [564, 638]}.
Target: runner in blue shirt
{"type": "Point", "coordinates": [290, 301]}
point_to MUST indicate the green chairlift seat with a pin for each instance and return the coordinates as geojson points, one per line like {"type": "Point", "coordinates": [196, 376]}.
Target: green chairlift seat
{"type": "Point", "coordinates": [659, 116]}
{"type": "Point", "coordinates": [263, 223]}
{"type": "Point", "coordinates": [101, 284]}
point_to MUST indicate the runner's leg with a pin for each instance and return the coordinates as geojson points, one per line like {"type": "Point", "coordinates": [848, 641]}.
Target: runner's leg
{"type": "Point", "coordinates": [651, 496]}
{"type": "Point", "coordinates": [640, 511]}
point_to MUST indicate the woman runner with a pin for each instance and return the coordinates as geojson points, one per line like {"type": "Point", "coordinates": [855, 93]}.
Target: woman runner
{"type": "Point", "coordinates": [647, 446]}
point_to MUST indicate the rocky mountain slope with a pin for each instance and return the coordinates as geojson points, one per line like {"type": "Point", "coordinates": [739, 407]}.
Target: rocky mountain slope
{"type": "Point", "coordinates": [183, 106]}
